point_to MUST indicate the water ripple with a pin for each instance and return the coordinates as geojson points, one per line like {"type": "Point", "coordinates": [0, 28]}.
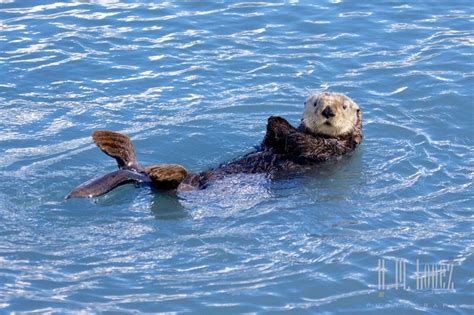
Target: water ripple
{"type": "Point", "coordinates": [194, 84]}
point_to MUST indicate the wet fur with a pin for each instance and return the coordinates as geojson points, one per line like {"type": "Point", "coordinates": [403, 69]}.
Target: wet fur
{"type": "Point", "coordinates": [284, 149]}
{"type": "Point", "coordinates": [346, 113]}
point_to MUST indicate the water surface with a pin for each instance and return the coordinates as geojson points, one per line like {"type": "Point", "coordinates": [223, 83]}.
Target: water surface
{"type": "Point", "coordinates": [193, 83]}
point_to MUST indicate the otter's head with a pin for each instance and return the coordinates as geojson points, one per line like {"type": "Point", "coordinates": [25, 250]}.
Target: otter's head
{"type": "Point", "coordinates": [330, 114]}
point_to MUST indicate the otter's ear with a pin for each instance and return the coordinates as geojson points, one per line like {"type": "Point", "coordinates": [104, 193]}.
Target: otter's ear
{"type": "Point", "coordinates": [359, 115]}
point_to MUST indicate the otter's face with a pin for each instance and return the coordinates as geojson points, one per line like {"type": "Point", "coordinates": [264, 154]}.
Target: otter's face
{"type": "Point", "coordinates": [330, 114]}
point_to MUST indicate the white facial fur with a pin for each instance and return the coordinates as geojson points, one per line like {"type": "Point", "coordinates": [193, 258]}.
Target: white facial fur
{"type": "Point", "coordinates": [345, 111]}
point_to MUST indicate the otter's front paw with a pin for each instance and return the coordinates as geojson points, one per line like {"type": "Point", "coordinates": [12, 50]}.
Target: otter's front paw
{"type": "Point", "coordinates": [277, 121]}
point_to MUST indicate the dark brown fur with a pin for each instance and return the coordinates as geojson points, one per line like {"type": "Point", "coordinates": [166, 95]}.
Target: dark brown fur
{"type": "Point", "coordinates": [283, 149]}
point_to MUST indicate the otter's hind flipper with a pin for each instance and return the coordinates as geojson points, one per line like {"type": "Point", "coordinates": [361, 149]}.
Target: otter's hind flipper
{"type": "Point", "coordinates": [103, 184]}
{"type": "Point", "coordinates": [166, 176]}
{"type": "Point", "coordinates": [118, 146]}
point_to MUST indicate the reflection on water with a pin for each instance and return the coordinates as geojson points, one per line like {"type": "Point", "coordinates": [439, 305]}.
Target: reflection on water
{"type": "Point", "coordinates": [166, 205]}
{"type": "Point", "coordinates": [193, 83]}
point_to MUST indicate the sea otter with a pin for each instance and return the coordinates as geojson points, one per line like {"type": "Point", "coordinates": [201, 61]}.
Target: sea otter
{"type": "Point", "coordinates": [331, 127]}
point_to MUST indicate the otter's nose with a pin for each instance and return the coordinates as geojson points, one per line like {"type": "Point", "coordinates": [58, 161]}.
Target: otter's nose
{"type": "Point", "coordinates": [327, 112]}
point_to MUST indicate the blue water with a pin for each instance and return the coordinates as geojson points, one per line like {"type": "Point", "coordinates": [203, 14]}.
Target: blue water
{"type": "Point", "coordinates": [193, 83]}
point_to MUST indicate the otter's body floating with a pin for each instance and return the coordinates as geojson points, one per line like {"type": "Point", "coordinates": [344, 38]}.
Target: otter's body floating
{"type": "Point", "coordinates": [331, 127]}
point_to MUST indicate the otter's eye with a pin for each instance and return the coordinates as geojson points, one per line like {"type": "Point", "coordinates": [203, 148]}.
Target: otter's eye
{"type": "Point", "coordinates": [344, 106]}
{"type": "Point", "coordinates": [316, 103]}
